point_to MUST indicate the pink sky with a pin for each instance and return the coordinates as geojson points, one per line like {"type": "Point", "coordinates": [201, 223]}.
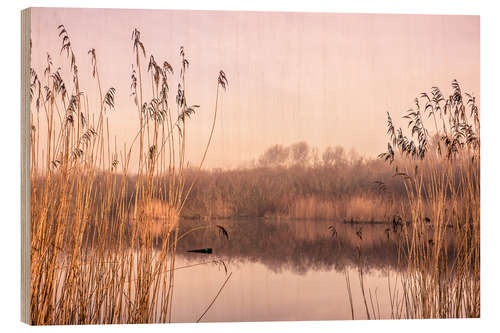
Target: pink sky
{"type": "Point", "coordinates": [324, 78]}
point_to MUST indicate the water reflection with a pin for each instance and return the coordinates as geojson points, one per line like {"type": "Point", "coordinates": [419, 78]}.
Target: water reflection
{"type": "Point", "coordinates": [287, 270]}
{"type": "Point", "coordinates": [284, 270]}
{"type": "Point", "coordinates": [297, 246]}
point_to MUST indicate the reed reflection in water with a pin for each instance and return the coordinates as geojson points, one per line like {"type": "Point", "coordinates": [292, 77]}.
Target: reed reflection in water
{"type": "Point", "coordinates": [289, 270]}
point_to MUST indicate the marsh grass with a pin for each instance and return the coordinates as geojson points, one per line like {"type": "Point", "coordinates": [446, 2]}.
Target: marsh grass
{"type": "Point", "coordinates": [103, 248]}
{"type": "Point", "coordinates": [347, 191]}
{"type": "Point", "coordinates": [356, 209]}
{"type": "Point", "coordinates": [441, 171]}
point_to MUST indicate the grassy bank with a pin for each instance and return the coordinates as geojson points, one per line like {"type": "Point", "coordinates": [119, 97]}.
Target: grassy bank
{"type": "Point", "coordinates": [345, 191]}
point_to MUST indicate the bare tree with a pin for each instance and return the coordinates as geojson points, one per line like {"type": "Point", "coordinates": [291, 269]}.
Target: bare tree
{"type": "Point", "coordinates": [301, 153]}
{"type": "Point", "coordinates": [334, 156]}
{"type": "Point", "coordinates": [354, 157]}
{"type": "Point", "coordinates": [276, 155]}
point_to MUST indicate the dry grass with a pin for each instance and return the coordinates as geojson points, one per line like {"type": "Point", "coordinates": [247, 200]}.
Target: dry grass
{"type": "Point", "coordinates": [346, 190]}
{"type": "Point", "coordinates": [99, 254]}
{"type": "Point", "coordinates": [434, 285]}
{"type": "Point", "coordinates": [358, 208]}
{"type": "Point", "coordinates": [442, 180]}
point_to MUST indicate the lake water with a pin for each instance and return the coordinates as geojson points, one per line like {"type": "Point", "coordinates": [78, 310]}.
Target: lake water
{"type": "Point", "coordinates": [285, 270]}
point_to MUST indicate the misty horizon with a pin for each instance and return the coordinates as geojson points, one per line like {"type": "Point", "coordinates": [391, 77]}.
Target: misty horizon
{"type": "Point", "coordinates": [323, 78]}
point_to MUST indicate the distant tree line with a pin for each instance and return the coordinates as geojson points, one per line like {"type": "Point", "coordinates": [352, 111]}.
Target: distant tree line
{"type": "Point", "coordinates": [301, 154]}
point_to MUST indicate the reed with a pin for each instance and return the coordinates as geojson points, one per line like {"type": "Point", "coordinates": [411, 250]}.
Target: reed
{"type": "Point", "coordinates": [102, 247]}
{"type": "Point", "coordinates": [324, 191]}
{"type": "Point", "coordinates": [442, 170]}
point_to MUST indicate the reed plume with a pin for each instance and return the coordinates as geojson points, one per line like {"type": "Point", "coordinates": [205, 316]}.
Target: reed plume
{"type": "Point", "coordinates": [102, 247]}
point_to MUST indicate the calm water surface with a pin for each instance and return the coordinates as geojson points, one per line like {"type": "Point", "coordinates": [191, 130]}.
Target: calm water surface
{"type": "Point", "coordinates": [285, 270]}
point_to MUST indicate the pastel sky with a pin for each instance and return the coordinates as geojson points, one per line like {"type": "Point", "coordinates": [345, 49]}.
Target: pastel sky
{"type": "Point", "coordinates": [324, 78]}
